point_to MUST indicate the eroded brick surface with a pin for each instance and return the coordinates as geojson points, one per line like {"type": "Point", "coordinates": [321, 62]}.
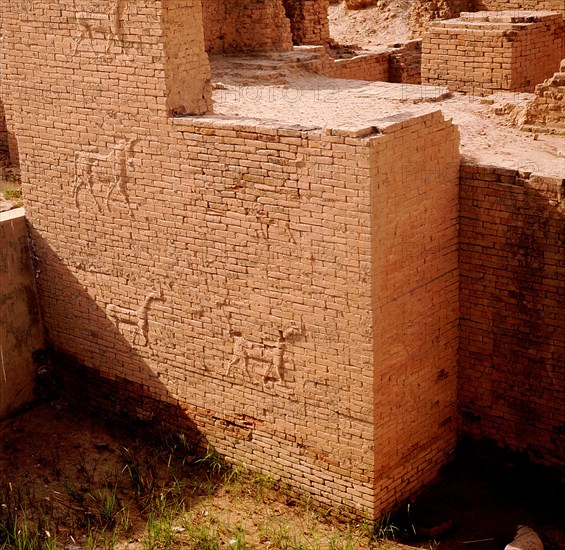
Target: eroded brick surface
{"type": "Point", "coordinates": [546, 112]}
{"type": "Point", "coordinates": [246, 26]}
{"type": "Point", "coordinates": [308, 21]}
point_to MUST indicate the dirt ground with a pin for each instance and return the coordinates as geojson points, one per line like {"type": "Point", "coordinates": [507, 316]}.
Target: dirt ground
{"type": "Point", "coordinates": [385, 23]}
{"type": "Point", "coordinates": [61, 461]}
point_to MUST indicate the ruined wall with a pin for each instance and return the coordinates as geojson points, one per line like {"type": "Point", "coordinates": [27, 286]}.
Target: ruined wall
{"type": "Point", "coordinates": [20, 321]}
{"type": "Point", "coordinates": [539, 5]}
{"type": "Point", "coordinates": [423, 12]}
{"type": "Point", "coordinates": [246, 26]}
{"type": "Point", "coordinates": [240, 279]}
{"type": "Point", "coordinates": [405, 62]}
{"type": "Point", "coordinates": [512, 358]}
{"type": "Point", "coordinates": [481, 53]}
{"type": "Point", "coordinates": [546, 112]}
{"type": "Point", "coordinates": [309, 22]}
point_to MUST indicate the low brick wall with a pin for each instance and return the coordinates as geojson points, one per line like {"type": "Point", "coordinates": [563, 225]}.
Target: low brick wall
{"type": "Point", "coordinates": [20, 321]}
{"type": "Point", "coordinates": [373, 67]}
{"type": "Point", "coordinates": [481, 53]}
{"type": "Point", "coordinates": [512, 356]}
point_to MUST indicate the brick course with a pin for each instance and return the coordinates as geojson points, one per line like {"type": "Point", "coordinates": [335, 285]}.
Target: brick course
{"type": "Point", "coordinates": [405, 62]}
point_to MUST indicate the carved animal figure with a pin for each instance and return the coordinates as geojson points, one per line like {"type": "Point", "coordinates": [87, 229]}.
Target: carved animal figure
{"type": "Point", "coordinates": [88, 170]}
{"type": "Point", "coordinates": [107, 24]}
{"type": "Point", "coordinates": [136, 318]}
{"type": "Point", "coordinates": [525, 539]}
{"type": "Point", "coordinates": [270, 353]}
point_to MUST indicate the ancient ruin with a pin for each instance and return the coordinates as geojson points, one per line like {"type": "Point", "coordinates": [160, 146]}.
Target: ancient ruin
{"type": "Point", "coordinates": [240, 234]}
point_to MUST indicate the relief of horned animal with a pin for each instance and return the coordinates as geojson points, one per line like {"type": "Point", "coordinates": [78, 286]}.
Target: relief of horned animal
{"type": "Point", "coordinates": [272, 354]}
{"type": "Point", "coordinates": [92, 167]}
{"type": "Point", "coordinates": [105, 23]}
{"type": "Point", "coordinates": [135, 319]}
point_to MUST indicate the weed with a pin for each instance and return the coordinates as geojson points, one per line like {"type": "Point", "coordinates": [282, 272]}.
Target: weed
{"type": "Point", "coordinates": [55, 463]}
{"type": "Point", "coordinates": [159, 531]}
{"type": "Point", "coordinates": [143, 477]}
{"type": "Point", "coordinates": [238, 543]}
{"type": "Point", "coordinates": [85, 470]}
{"type": "Point", "coordinates": [214, 461]}
{"type": "Point", "coordinates": [108, 506]}
{"type": "Point", "coordinates": [203, 537]}
{"type": "Point", "coordinates": [11, 192]}
{"type": "Point", "coordinates": [383, 529]}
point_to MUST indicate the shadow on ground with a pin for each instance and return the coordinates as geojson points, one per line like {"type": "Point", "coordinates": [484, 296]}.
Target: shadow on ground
{"type": "Point", "coordinates": [484, 496]}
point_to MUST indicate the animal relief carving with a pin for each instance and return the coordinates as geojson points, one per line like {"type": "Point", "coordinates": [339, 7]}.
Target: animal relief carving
{"type": "Point", "coordinates": [105, 24]}
{"type": "Point", "coordinates": [93, 168]}
{"type": "Point", "coordinates": [134, 320]}
{"type": "Point", "coordinates": [272, 355]}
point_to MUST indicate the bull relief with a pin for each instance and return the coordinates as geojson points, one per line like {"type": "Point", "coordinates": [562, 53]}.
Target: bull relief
{"type": "Point", "coordinates": [134, 322]}
{"type": "Point", "coordinates": [95, 24]}
{"type": "Point", "coordinates": [268, 357]}
{"type": "Point", "coordinates": [95, 169]}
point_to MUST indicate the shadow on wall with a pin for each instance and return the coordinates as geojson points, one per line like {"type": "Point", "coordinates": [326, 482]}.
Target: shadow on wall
{"type": "Point", "coordinates": [113, 333]}
{"type": "Point", "coordinates": [512, 245]}
{"type": "Point", "coordinates": [8, 143]}
{"type": "Point", "coordinates": [4, 151]}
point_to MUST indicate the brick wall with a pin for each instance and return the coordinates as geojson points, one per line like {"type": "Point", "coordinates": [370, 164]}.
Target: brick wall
{"type": "Point", "coordinates": [259, 284]}
{"type": "Point", "coordinates": [246, 26]}
{"type": "Point", "coordinates": [308, 21]}
{"type": "Point", "coordinates": [512, 358]}
{"type": "Point", "coordinates": [371, 66]}
{"type": "Point", "coordinates": [481, 53]}
{"type": "Point", "coordinates": [20, 321]}
{"type": "Point", "coordinates": [415, 303]}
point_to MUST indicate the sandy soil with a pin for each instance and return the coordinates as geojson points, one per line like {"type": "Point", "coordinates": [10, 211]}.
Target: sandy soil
{"type": "Point", "coordinates": [311, 100]}
{"type": "Point", "coordinates": [383, 24]}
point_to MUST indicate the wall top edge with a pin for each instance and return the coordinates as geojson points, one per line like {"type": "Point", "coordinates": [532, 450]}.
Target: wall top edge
{"type": "Point", "coordinates": [470, 168]}
{"type": "Point", "coordinates": [10, 215]}
{"type": "Point", "coordinates": [496, 19]}
{"type": "Point", "coordinates": [370, 128]}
